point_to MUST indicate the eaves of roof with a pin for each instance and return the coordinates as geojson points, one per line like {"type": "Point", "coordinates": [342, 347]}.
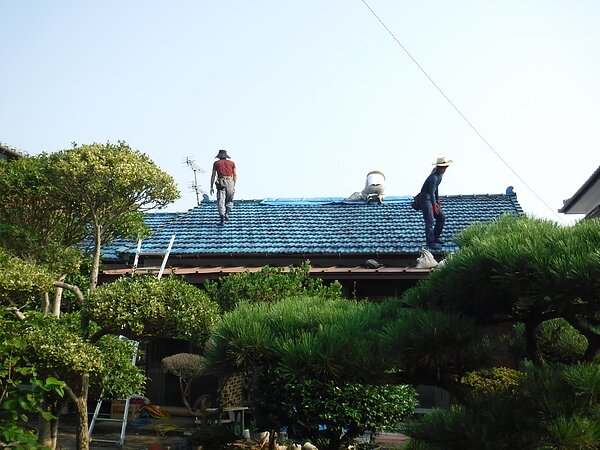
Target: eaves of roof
{"type": "Point", "coordinates": [10, 152]}
{"type": "Point", "coordinates": [330, 272]}
{"type": "Point", "coordinates": [586, 198]}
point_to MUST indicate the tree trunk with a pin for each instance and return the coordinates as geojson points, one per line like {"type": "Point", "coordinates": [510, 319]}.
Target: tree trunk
{"type": "Point", "coordinates": [45, 437]}
{"type": "Point", "coordinates": [58, 291]}
{"type": "Point", "coordinates": [48, 429]}
{"type": "Point", "coordinates": [184, 388]}
{"type": "Point", "coordinates": [78, 393]}
{"type": "Point", "coordinates": [531, 343]}
{"type": "Point", "coordinates": [45, 302]}
{"type": "Point", "coordinates": [57, 300]}
{"type": "Point", "coordinates": [54, 431]}
{"type": "Point", "coordinates": [85, 320]}
{"type": "Point", "coordinates": [95, 258]}
{"type": "Point", "coordinates": [271, 445]}
{"type": "Point", "coordinates": [82, 437]}
{"type": "Point", "coordinates": [593, 347]}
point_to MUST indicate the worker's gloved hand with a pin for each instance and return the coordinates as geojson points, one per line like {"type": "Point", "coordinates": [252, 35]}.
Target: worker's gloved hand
{"type": "Point", "coordinates": [436, 209]}
{"type": "Point", "coordinates": [212, 191]}
{"type": "Point", "coordinates": [439, 202]}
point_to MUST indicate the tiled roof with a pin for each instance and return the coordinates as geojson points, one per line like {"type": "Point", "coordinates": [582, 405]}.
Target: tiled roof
{"type": "Point", "coordinates": [119, 246]}
{"type": "Point", "coordinates": [10, 151]}
{"type": "Point", "coordinates": [322, 226]}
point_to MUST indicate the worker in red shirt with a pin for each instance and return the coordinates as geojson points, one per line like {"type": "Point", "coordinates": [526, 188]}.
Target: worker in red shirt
{"type": "Point", "coordinates": [225, 176]}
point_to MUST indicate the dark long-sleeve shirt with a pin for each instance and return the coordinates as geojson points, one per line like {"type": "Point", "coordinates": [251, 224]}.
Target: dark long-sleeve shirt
{"type": "Point", "coordinates": [430, 187]}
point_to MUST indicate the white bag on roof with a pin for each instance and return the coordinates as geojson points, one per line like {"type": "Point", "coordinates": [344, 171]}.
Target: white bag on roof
{"type": "Point", "coordinates": [426, 260]}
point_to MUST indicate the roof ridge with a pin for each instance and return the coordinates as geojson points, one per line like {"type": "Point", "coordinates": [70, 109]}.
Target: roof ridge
{"type": "Point", "coordinates": [342, 200]}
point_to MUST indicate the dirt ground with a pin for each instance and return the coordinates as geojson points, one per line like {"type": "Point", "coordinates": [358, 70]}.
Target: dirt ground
{"type": "Point", "coordinates": [140, 434]}
{"type": "Point", "coordinates": [163, 434]}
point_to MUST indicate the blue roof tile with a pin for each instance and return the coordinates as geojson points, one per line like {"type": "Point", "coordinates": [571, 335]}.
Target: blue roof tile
{"type": "Point", "coordinates": [119, 246]}
{"type": "Point", "coordinates": [323, 226]}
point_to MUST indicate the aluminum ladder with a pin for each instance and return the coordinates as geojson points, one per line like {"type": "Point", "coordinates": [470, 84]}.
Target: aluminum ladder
{"type": "Point", "coordinates": [96, 417]}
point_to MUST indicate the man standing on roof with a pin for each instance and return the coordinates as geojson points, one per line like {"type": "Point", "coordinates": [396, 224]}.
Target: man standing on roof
{"type": "Point", "coordinates": [225, 175]}
{"type": "Point", "coordinates": [430, 204]}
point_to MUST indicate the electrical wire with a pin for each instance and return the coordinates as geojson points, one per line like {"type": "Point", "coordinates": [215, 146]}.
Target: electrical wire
{"type": "Point", "coordinates": [459, 111]}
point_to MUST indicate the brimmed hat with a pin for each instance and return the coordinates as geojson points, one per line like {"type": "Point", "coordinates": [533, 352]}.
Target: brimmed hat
{"type": "Point", "coordinates": [442, 161]}
{"type": "Point", "coordinates": [222, 154]}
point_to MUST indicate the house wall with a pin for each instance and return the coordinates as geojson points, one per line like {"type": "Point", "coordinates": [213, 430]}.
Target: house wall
{"type": "Point", "coordinates": [376, 289]}
{"type": "Point", "coordinates": [237, 260]}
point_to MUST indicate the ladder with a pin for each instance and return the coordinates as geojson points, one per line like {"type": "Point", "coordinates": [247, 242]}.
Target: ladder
{"type": "Point", "coordinates": [123, 420]}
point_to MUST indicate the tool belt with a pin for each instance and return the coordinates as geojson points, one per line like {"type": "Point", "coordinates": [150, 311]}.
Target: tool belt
{"type": "Point", "coordinates": [221, 184]}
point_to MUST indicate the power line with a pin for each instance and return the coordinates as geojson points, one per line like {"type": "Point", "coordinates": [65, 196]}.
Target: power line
{"type": "Point", "coordinates": [458, 110]}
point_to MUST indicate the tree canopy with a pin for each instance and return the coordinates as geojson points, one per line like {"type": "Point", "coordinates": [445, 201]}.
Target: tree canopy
{"type": "Point", "coordinates": [34, 223]}
{"type": "Point", "coordinates": [115, 185]}
{"type": "Point", "coordinates": [310, 360]}
{"type": "Point", "coordinates": [519, 269]}
{"type": "Point", "coordinates": [521, 292]}
{"type": "Point", "coordinates": [531, 287]}
{"type": "Point", "coordinates": [16, 371]}
{"type": "Point", "coordinates": [50, 204]}
{"type": "Point", "coordinates": [145, 306]}
{"type": "Point", "coordinates": [21, 282]}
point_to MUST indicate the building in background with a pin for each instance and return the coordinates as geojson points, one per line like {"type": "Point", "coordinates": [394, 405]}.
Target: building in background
{"type": "Point", "coordinates": [8, 152]}
{"type": "Point", "coordinates": [586, 200]}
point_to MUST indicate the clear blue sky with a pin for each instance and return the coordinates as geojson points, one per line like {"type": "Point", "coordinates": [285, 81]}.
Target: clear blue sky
{"type": "Point", "coordinates": [308, 96]}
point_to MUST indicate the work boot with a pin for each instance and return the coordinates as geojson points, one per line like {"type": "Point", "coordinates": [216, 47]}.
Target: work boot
{"type": "Point", "coordinates": [222, 220]}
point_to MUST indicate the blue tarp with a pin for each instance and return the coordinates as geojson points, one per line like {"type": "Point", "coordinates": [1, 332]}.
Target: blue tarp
{"type": "Point", "coordinates": [328, 200]}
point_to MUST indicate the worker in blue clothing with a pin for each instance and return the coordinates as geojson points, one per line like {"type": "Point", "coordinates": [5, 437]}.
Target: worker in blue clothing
{"type": "Point", "coordinates": [430, 204]}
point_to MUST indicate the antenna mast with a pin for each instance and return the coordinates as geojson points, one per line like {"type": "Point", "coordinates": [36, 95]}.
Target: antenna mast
{"type": "Point", "coordinates": [195, 186]}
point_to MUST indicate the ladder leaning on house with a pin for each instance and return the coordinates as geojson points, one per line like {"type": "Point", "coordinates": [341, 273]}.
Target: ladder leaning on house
{"type": "Point", "coordinates": [123, 420]}
{"type": "Point", "coordinates": [96, 417]}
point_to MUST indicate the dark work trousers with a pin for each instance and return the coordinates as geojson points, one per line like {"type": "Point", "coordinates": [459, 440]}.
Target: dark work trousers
{"type": "Point", "coordinates": [434, 223]}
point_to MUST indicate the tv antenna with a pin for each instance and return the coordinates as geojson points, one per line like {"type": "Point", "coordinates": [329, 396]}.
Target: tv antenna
{"type": "Point", "coordinates": [195, 186]}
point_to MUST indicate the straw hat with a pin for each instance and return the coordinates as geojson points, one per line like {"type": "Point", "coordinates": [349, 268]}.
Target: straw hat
{"type": "Point", "coordinates": [443, 161]}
